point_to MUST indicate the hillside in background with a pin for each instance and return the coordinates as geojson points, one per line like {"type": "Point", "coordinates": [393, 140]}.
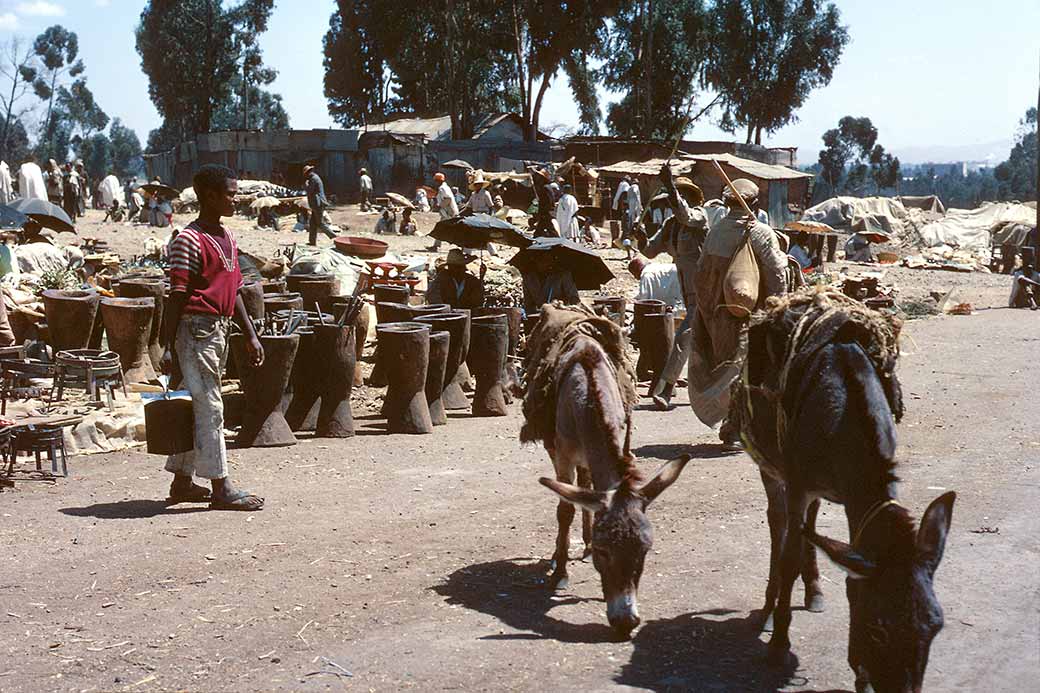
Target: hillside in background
{"type": "Point", "coordinates": [994, 152]}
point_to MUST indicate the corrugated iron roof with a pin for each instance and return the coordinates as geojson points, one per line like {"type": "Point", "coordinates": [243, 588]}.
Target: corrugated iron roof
{"type": "Point", "coordinates": [650, 167]}
{"type": "Point", "coordinates": [431, 128]}
{"type": "Point", "coordinates": [754, 168]}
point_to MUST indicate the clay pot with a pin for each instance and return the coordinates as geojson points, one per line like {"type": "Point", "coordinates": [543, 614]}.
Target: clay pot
{"type": "Point", "coordinates": [439, 346]}
{"type": "Point", "coordinates": [334, 350]}
{"type": "Point", "coordinates": [234, 408]}
{"type": "Point", "coordinates": [70, 317]}
{"type": "Point", "coordinates": [273, 286]}
{"type": "Point", "coordinates": [462, 376]}
{"type": "Point", "coordinates": [253, 297]}
{"type": "Point", "coordinates": [313, 288]}
{"type": "Point", "coordinates": [489, 343]}
{"type": "Point", "coordinates": [428, 309]}
{"type": "Point", "coordinates": [386, 312]}
{"type": "Point", "coordinates": [263, 424]}
{"type": "Point", "coordinates": [405, 349]}
{"type": "Point", "coordinates": [154, 288]}
{"type": "Point", "coordinates": [283, 301]}
{"type": "Point", "coordinates": [658, 338]}
{"type": "Point", "coordinates": [612, 307]}
{"type": "Point", "coordinates": [128, 322]}
{"type": "Point", "coordinates": [514, 317]}
{"type": "Point", "coordinates": [300, 401]}
{"type": "Point", "coordinates": [360, 335]}
{"type": "Point", "coordinates": [390, 293]}
{"type": "Point", "coordinates": [641, 307]}
{"type": "Point", "coordinates": [452, 397]}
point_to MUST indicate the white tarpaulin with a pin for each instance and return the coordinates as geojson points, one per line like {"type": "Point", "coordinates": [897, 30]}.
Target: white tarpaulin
{"type": "Point", "coordinates": [972, 228]}
{"type": "Point", "coordinates": [111, 190]}
{"type": "Point", "coordinates": [870, 212]}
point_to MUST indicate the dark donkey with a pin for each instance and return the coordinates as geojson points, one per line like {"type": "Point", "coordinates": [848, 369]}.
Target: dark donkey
{"type": "Point", "coordinates": [588, 442]}
{"type": "Point", "coordinates": [818, 404]}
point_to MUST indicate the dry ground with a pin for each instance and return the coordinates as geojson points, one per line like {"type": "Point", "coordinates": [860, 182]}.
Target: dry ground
{"type": "Point", "coordinates": [418, 562]}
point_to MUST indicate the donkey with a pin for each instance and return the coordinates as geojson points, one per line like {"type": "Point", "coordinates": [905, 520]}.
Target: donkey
{"type": "Point", "coordinates": [591, 442]}
{"type": "Point", "coordinates": [819, 419]}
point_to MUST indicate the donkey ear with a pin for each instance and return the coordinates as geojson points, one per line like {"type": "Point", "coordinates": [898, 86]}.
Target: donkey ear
{"type": "Point", "coordinates": [593, 501]}
{"type": "Point", "coordinates": [931, 535]}
{"type": "Point", "coordinates": [663, 478]}
{"type": "Point", "coordinates": [854, 564]}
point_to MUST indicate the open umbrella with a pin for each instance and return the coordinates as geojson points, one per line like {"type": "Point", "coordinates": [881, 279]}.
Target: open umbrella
{"type": "Point", "coordinates": [160, 189]}
{"type": "Point", "coordinates": [457, 163]}
{"type": "Point", "coordinates": [400, 200]}
{"type": "Point", "coordinates": [585, 265]}
{"type": "Point", "coordinates": [476, 230]}
{"type": "Point", "coordinates": [44, 213]}
{"type": "Point", "coordinates": [265, 202]}
{"type": "Point", "coordinates": [11, 218]}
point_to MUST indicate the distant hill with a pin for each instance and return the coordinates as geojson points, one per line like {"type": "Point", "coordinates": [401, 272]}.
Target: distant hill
{"type": "Point", "coordinates": [994, 152]}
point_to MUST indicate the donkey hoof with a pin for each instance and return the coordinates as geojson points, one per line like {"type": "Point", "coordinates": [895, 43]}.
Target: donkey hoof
{"type": "Point", "coordinates": [777, 656]}
{"type": "Point", "coordinates": [559, 582]}
{"type": "Point", "coordinates": [814, 602]}
{"type": "Point", "coordinates": [586, 553]}
{"type": "Point", "coordinates": [863, 686]}
{"type": "Point", "coordinates": [767, 624]}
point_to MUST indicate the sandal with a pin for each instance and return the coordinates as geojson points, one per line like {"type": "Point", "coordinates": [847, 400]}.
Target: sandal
{"type": "Point", "coordinates": [239, 500]}
{"type": "Point", "coordinates": [193, 494]}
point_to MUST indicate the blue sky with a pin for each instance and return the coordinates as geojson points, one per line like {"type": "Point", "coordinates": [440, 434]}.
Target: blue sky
{"type": "Point", "coordinates": [929, 73]}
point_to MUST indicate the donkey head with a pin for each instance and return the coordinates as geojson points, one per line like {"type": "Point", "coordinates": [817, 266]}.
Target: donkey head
{"type": "Point", "coordinates": [621, 537]}
{"type": "Point", "coordinates": [894, 614]}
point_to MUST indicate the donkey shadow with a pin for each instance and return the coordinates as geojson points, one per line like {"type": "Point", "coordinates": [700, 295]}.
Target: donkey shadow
{"type": "Point", "coordinates": [701, 652]}
{"type": "Point", "coordinates": [517, 594]}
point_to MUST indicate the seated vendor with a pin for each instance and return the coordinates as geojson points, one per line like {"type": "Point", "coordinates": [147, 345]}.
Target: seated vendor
{"type": "Point", "coordinates": [857, 249]}
{"type": "Point", "coordinates": [407, 227]}
{"type": "Point", "coordinates": [454, 285]}
{"type": "Point", "coordinates": [386, 223]}
{"type": "Point", "coordinates": [1025, 283]}
{"type": "Point", "coordinates": [546, 282]}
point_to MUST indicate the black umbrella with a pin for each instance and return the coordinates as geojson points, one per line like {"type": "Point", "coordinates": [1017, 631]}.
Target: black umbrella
{"type": "Point", "coordinates": [11, 218]}
{"type": "Point", "coordinates": [476, 230]}
{"type": "Point", "coordinates": [585, 265]}
{"type": "Point", "coordinates": [44, 213]}
{"type": "Point", "coordinates": [160, 189]}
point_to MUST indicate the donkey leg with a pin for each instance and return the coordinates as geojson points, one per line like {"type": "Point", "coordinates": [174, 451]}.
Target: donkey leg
{"type": "Point", "coordinates": [780, 643]}
{"type": "Point", "coordinates": [810, 570]}
{"type": "Point", "coordinates": [564, 516]}
{"type": "Point", "coordinates": [776, 513]}
{"type": "Point", "coordinates": [585, 481]}
{"type": "Point", "coordinates": [863, 685]}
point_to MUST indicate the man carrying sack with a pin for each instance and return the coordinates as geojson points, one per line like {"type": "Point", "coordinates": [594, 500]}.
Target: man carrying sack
{"type": "Point", "coordinates": [682, 237]}
{"type": "Point", "coordinates": [741, 265]}
{"type": "Point", "coordinates": [204, 297]}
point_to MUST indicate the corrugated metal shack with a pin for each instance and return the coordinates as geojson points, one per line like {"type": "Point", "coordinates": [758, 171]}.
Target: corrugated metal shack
{"type": "Point", "coordinates": [603, 151]}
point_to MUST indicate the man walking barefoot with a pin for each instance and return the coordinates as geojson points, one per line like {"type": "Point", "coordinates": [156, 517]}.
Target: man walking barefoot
{"type": "Point", "coordinates": [204, 297]}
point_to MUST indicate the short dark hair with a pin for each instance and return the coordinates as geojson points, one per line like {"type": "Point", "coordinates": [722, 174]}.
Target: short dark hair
{"type": "Point", "coordinates": [211, 177]}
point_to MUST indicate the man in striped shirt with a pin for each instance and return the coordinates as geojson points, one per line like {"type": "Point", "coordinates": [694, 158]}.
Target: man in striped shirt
{"type": "Point", "coordinates": [204, 297]}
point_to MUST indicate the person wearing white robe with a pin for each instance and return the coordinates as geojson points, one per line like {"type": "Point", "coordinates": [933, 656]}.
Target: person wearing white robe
{"type": "Point", "coordinates": [30, 182]}
{"type": "Point", "coordinates": [5, 183]}
{"type": "Point", "coordinates": [567, 215]}
{"type": "Point", "coordinates": [635, 205]}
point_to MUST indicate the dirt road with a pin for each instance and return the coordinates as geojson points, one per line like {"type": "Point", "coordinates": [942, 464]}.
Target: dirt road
{"type": "Point", "coordinates": [417, 562]}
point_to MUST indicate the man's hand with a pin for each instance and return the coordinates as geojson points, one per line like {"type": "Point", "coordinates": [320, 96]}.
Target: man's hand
{"type": "Point", "coordinates": [166, 362]}
{"type": "Point", "coordinates": [256, 352]}
{"type": "Point", "coordinates": [483, 269]}
{"type": "Point", "coordinates": [666, 177]}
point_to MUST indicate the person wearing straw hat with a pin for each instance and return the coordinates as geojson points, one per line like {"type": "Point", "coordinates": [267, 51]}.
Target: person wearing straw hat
{"type": "Point", "coordinates": [365, 182]}
{"type": "Point", "coordinates": [720, 331]}
{"type": "Point", "coordinates": [682, 237]}
{"type": "Point", "coordinates": [318, 203]}
{"type": "Point", "coordinates": [480, 200]}
{"type": "Point", "coordinates": [456, 286]}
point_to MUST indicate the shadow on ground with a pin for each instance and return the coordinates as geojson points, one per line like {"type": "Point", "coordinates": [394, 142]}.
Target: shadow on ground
{"type": "Point", "coordinates": [515, 593]}
{"type": "Point", "coordinates": [700, 651]}
{"type": "Point", "coordinates": [134, 509]}
{"type": "Point", "coordinates": [669, 451]}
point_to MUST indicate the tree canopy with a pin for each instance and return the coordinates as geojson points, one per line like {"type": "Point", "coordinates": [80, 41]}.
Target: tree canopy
{"type": "Point", "coordinates": [57, 51]}
{"type": "Point", "coordinates": [1017, 175]}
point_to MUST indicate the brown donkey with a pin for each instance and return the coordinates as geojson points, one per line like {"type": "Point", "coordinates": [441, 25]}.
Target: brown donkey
{"type": "Point", "coordinates": [818, 405]}
{"type": "Point", "coordinates": [589, 448]}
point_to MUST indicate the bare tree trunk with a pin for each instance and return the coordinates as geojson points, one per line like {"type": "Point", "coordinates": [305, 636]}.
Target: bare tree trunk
{"type": "Point", "coordinates": [518, 53]}
{"type": "Point", "coordinates": [538, 104]}
{"type": "Point", "coordinates": [456, 126]}
{"type": "Point", "coordinates": [758, 134]}
{"type": "Point", "coordinates": [50, 110]}
{"type": "Point", "coordinates": [750, 132]}
{"type": "Point", "coordinates": [647, 69]}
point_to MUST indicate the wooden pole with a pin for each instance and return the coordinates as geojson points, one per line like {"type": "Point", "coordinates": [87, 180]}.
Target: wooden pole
{"type": "Point", "coordinates": [740, 198]}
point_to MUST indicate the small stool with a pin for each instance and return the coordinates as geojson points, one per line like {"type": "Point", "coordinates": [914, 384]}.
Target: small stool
{"type": "Point", "coordinates": [90, 369]}
{"type": "Point", "coordinates": [35, 441]}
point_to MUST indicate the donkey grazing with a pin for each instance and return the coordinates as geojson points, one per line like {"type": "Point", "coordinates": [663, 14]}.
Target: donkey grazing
{"type": "Point", "coordinates": [588, 442]}
{"type": "Point", "coordinates": [817, 405]}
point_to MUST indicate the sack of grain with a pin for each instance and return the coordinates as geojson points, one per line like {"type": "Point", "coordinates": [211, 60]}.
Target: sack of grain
{"type": "Point", "coordinates": [740, 285]}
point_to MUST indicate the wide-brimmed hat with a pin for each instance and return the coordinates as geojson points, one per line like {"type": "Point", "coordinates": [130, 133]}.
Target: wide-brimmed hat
{"type": "Point", "coordinates": [636, 265]}
{"type": "Point", "coordinates": [478, 182]}
{"type": "Point", "coordinates": [457, 258]}
{"type": "Point", "coordinates": [362, 171]}
{"type": "Point", "coordinates": [747, 189]}
{"type": "Point", "coordinates": [696, 195]}
{"type": "Point", "coordinates": [307, 168]}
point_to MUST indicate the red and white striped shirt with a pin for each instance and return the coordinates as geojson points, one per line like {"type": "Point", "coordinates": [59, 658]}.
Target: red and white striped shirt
{"type": "Point", "coordinates": [204, 264]}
